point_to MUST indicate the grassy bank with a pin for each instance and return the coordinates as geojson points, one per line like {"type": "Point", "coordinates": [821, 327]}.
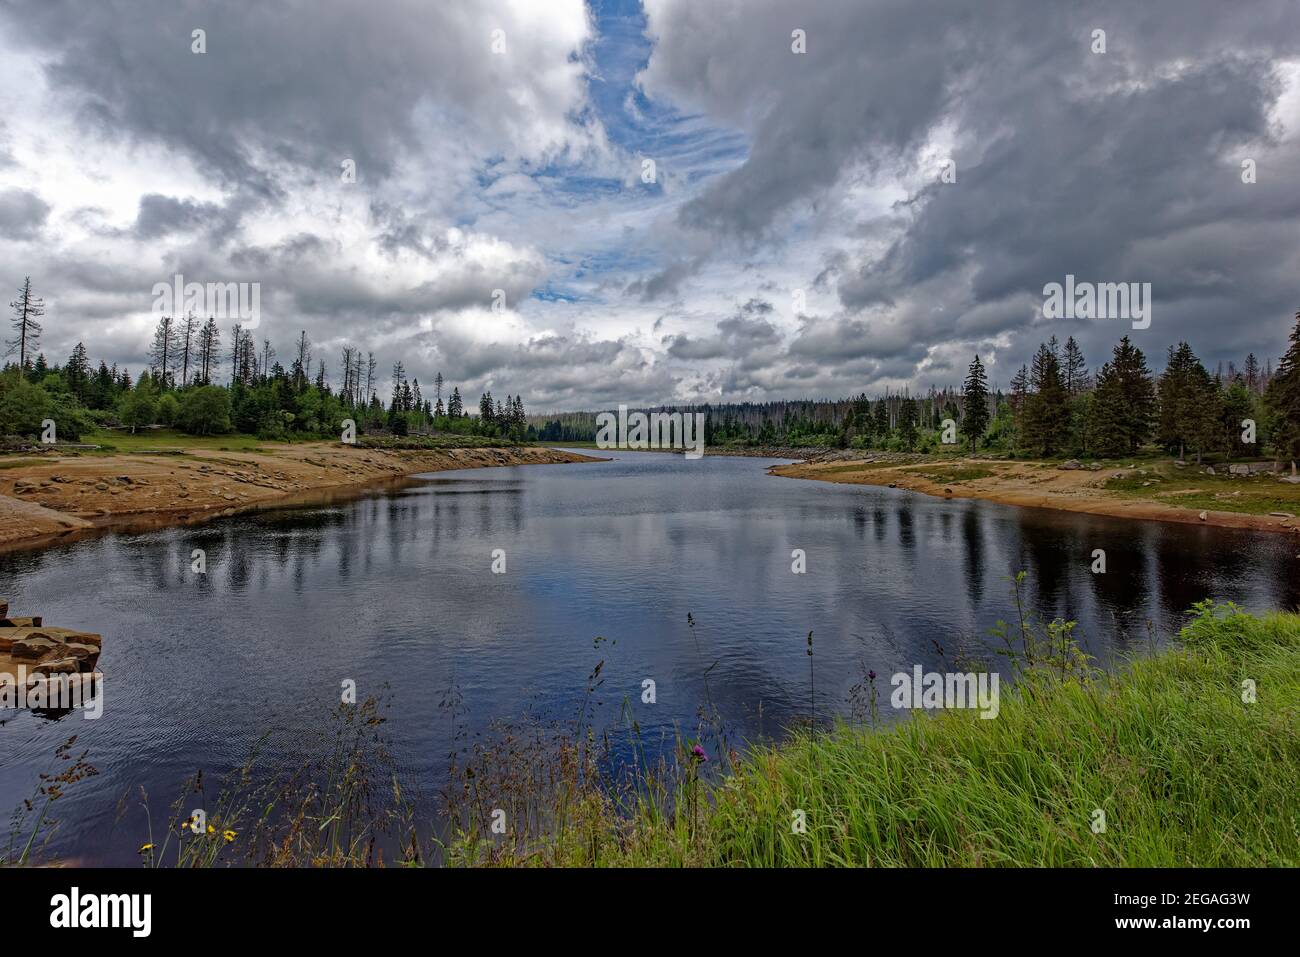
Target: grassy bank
{"type": "Point", "coordinates": [1186, 773]}
{"type": "Point", "coordinates": [1143, 487]}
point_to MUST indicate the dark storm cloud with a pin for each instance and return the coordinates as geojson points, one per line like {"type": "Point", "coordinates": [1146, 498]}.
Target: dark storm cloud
{"type": "Point", "coordinates": [1122, 166]}
{"type": "Point", "coordinates": [161, 215]}
{"type": "Point", "coordinates": [300, 84]}
{"type": "Point", "coordinates": [737, 336]}
{"type": "Point", "coordinates": [22, 213]}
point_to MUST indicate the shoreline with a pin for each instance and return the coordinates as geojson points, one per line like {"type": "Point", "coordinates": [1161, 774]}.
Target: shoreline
{"type": "Point", "coordinates": [51, 499]}
{"type": "Point", "coordinates": [1025, 485]}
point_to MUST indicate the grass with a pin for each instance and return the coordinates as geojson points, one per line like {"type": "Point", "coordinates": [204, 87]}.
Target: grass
{"type": "Point", "coordinates": [959, 473]}
{"type": "Point", "coordinates": [1189, 487]}
{"type": "Point", "coordinates": [1186, 773]}
{"type": "Point", "coordinates": [152, 440]}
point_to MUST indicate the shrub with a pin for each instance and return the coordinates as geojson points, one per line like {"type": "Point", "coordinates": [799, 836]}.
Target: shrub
{"type": "Point", "coordinates": [204, 410]}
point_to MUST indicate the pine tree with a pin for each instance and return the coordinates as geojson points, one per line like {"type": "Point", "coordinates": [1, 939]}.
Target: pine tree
{"type": "Point", "coordinates": [1018, 400]}
{"type": "Point", "coordinates": [1130, 365]}
{"type": "Point", "coordinates": [975, 397]}
{"type": "Point", "coordinates": [907, 423]}
{"type": "Point", "coordinates": [880, 420]}
{"type": "Point", "coordinates": [162, 355]}
{"type": "Point", "coordinates": [1107, 417]}
{"type": "Point", "coordinates": [1189, 413]}
{"type": "Point", "coordinates": [1046, 414]}
{"type": "Point", "coordinates": [27, 310]}
{"type": "Point", "coordinates": [188, 330]}
{"type": "Point", "coordinates": [1252, 374]}
{"type": "Point", "coordinates": [1234, 405]}
{"type": "Point", "coordinates": [455, 406]}
{"type": "Point", "coordinates": [1074, 370]}
{"type": "Point", "coordinates": [1283, 402]}
{"type": "Point", "coordinates": [77, 373]}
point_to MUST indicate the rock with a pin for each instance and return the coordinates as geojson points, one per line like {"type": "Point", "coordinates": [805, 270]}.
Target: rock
{"type": "Point", "coordinates": [1204, 516]}
{"type": "Point", "coordinates": [893, 485]}
{"type": "Point", "coordinates": [58, 666]}
{"type": "Point", "coordinates": [1070, 465]}
{"type": "Point", "coordinates": [34, 622]}
{"type": "Point", "coordinates": [32, 648]}
{"type": "Point", "coordinates": [1094, 466]}
{"type": "Point", "coordinates": [1180, 463]}
{"type": "Point", "coordinates": [101, 486]}
{"type": "Point", "coordinates": [947, 491]}
{"type": "Point", "coordinates": [182, 494]}
{"type": "Point", "coordinates": [1281, 515]}
{"type": "Point", "coordinates": [23, 486]}
{"type": "Point", "coordinates": [124, 479]}
{"type": "Point", "coordinates": [1209, 470]}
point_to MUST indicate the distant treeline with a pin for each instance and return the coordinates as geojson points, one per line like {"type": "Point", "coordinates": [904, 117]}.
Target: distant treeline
{"type": "Point", "coordinates": [195, 383]}
{"type": "Point", "coordinates": [1055, 406]}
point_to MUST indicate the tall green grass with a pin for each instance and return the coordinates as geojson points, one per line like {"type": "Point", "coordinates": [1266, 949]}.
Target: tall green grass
{"type": "Point", "coordinates": [1185, 771]}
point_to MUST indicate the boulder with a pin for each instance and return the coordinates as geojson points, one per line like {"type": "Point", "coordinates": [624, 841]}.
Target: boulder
{"type": "Point", "coordinates": [1238, 469]}
{"type": "Point", "coordinates": [1070, 465]}
{"type": "Point", "coordinates": [32, 648]}
{"type": "Point", "coordinates": [57, 666]}
{"type": "Point", "coordinates": [1204, 516]}
{"type": "Point", "coordinates": [34, 622]}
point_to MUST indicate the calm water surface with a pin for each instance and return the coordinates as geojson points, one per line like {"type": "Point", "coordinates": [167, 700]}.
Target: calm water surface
{"type": "Point", "coordinates": [397, 587]}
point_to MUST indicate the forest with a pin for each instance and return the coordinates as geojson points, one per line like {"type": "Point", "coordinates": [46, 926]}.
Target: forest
{"type": "Point", "coordinates": [206, 382]}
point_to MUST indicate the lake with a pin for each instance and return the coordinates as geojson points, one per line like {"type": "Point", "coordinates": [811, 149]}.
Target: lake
{"type": "Point", "coordinates": [397, 587]}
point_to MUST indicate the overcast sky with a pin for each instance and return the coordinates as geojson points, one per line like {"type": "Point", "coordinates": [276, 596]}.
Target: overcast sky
{"type": "Point", "coordinates": [797, 240]}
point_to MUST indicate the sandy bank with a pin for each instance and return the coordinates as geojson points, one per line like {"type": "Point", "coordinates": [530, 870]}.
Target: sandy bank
{"type": "Point", "coordinates": [1032, 485]}
{"type": "Point", "coordinates": [51, 497]}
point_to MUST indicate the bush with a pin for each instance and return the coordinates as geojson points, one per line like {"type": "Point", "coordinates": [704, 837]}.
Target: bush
{"type": "Point", "coordinates": [204, 410]}
{"type": "Point", "coordinates": [167, 410]}
{"type": "Point", "coordinates": [23, 406]}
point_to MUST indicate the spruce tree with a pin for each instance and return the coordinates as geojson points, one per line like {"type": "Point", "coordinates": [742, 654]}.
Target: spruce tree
{"type": "Point", "coordinates": [975, 397]}
{"type": "Point", "coordinates": [27, 308]}
{"type": "Point", "coordinates": [1074, 370]}
{"type": "Point", "coordinates": [1282, 400]}
{"type": "Point", "coordinates": [1047, 413]}
{"type": "Point", "coordinates": [1130, 365]}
